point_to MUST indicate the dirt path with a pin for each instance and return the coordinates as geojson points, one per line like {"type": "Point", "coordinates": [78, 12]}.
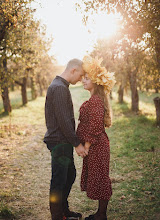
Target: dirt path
{"type": "Point", "coordinates": [25, 167]}
{"type": "Point", "coordinates": [25, 172]}
{"type": "Point", "coordinates": [25, 175]}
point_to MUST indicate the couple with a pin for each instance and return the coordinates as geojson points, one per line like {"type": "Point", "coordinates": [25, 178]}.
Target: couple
{"type": "Point", "coordinates": [89, 141]}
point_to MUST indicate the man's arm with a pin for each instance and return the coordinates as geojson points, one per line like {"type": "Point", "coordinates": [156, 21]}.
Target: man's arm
{"type": "Point", "coordinates": [63, 114]}
{"type": "Point", "coordinates": [64, 121]}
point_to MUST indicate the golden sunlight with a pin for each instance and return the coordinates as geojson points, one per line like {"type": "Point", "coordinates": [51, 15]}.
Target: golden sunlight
{"type": "Point", "coordinates": [104, 25]}
{"type": "Point", "coordinates": [72, 39]}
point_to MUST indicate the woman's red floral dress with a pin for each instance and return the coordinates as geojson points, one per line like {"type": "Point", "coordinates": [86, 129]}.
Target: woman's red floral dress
{"type": "Point", "coordinates": [95, 173]}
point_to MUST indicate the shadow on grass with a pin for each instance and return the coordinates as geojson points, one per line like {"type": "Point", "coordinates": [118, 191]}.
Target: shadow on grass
{"type": "Point", "coordinates": [122, 107]}
{"type": "Point", "coordinates": [5, 114]}
{"type": "Point", "coordinates": [14, 106]}
{"type": "Point", "coordinates": [6, 213]}
{"type": "Point", "coordinates": [148, 97]}
{"type": "Point", "coordinates": [125, 109]}
{"type": "Point", "coordinates": [16, 102]}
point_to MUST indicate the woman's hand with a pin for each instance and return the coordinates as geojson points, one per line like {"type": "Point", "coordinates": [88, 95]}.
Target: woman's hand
{"type": "Point", "coordinates": [87, 145]}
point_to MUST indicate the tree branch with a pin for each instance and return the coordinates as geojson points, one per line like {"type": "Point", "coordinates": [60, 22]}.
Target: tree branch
{"type": "Point", "coordinates": [19, 83]}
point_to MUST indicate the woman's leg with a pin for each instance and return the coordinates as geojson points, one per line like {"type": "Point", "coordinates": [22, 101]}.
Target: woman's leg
{"type": "Point", "coordinates": [101, 212]}
{"type": "Point", "coordinates": [102, 209]}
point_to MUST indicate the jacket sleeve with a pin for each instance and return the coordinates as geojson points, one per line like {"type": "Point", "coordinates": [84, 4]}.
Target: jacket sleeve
{"type": "Point", "coordinates": [96, 120]}
{"type": "Point", "coordinates": [63, 115]}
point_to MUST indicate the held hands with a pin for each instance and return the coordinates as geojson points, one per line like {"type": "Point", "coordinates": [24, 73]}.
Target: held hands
{"type": "Point", "coordinates": [81, 150]}
{"type": "Point", "coordinates": [87, 145]}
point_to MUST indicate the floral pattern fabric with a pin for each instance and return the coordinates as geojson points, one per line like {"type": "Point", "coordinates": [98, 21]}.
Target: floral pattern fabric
{"type": "Point", "coordinates": [95, 172]}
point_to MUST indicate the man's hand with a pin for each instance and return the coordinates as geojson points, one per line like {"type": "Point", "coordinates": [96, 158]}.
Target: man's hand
{"type": "Point", "coordinates": [81, 151]}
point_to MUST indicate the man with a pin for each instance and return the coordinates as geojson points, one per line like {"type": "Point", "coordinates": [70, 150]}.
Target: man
{"type": "Point", "coordinates": [61, 138]}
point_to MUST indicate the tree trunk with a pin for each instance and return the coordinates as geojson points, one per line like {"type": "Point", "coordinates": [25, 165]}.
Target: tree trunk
{"type": "Point", "coordinates": [111, 96]}
{"type": "Point", "coordinates": [157, 84]}
{"type": "Point", "coordinates": [45, 84]}
{"type": "Point", "coordinates": [140, 87]}
{"type": "Point", "coordinates": [156, 90]}
{"type": "Point", "coordinates": [5, 90]}
{"type": "Point", "coordinates": [134, 91]}
{"type": "Point", "coordinates": [157, 106]}
{"type": "Point", "coordinates": [120, 94]}
{"type": "Point", "coordinates": [157, 49]}
{"type": "Point", "coordinates": [23, 85]}
{"type": "Point", "coordinates": [33, 88]}
{"type": "Point", "coordinates": [40, 83]}
{"type": "Point", "coordinates": [6, 100]}
{"type": "Point", "coordinates": [147, 86]}
{"type": "Point", "coordinates": [12, 87]}
{"type": "Point", "coordinates": [40, 89]}
{"type": "Point", "coordinates": [24, 91]}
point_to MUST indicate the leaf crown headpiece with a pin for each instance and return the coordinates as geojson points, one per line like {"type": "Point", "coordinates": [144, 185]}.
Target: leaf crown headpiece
{"type": "Point", "coordinates": [97, 73]}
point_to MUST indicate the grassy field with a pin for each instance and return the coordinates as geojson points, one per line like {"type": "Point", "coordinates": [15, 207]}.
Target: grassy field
{"type": "Point", "coordinates": [134, 166]}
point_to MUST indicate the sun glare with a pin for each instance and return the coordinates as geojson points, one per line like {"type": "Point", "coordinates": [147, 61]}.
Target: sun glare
{"type": "Point", "coordinates": [72, 39]}
{"type": "Point", "coordinates": [104, 25]}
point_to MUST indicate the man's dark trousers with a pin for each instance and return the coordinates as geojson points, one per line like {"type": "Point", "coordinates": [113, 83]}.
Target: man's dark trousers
{"type": "Point", "coordinates": [63, 177]}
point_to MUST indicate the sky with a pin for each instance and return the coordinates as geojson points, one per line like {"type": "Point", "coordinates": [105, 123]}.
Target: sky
{"type": "Point", "coordinates": [71, 38]}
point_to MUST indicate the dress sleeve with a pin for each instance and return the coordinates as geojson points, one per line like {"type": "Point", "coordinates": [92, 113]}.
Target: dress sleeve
{"type": "Point", "coordinates": [96, 119]}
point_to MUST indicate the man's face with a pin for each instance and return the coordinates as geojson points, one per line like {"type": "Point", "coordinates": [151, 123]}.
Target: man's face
{"type": "Point", "coordinates": [77, 75]}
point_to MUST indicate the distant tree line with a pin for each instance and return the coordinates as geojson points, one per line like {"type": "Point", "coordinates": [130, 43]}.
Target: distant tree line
{"type": "Point", "coordinates": [24, 59]}
{"type": "Point", "coordinates": [134, 52]}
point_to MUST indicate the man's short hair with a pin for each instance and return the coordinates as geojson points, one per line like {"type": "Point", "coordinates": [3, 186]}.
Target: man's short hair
{"type": "Point", "coordinates": [74, 63]}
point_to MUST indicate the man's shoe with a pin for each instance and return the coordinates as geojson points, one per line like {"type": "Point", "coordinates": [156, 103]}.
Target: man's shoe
{"type": "Point", "coordinates": [71, 218]}
{"type": "Point", "coordinates": [72, 215]}
{"type": "Point", "coordinates": [91, 217]}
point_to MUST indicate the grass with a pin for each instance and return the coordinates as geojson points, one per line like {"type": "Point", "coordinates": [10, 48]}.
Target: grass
{"type": "Point", "coordinates": [134, 165]}
{"type": "Point", "coordinates": [15, 99]}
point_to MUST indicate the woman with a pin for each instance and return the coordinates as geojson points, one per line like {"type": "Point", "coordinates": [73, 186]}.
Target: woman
{"type": "Point", "coordinates": [94, 117]}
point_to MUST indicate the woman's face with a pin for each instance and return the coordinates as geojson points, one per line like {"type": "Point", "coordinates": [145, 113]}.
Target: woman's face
{"type": "Point", "coordinates": [87, 83]}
